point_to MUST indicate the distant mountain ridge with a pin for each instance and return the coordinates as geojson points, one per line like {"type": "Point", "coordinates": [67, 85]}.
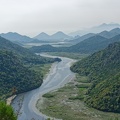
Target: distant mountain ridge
{"type": "Point", "coordinates": [90, 45]}
{"type": "Point", "coordinates": [111, 33]}
{"type": "Point", "coordinates": [15, 37]}
{"type": "Point", "coordinates": [96, 29]}
{"type": "Point", "coordinates": [23, 53]}
{"type": "Point", "coordinates": [105, 34]}
{"type": "Point", "coordinates": [57, 36]}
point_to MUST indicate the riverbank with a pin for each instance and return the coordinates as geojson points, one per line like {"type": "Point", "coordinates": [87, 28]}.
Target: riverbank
{"type": "Point", "coordinates": [58, 76]}
{"type": "Point", "coordinates": [67, 103]}
{"type": "Point", "coordinates": [10, 99]}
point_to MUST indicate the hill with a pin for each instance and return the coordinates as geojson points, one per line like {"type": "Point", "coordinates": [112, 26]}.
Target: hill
{"type": "Point", "coordinates": [90, 45]}
{"type": "Point", "coordinates": [103, 70]}
{"type": "Point", "coordinates": [15, 37]}
{"type": "Point", "coordinates": [79, 39]}
{"type": "Point", "coordinates": [13, 74]}
{"type": "Point", "coordinates": [42, 36]}
{"type": "Point", "coordinates": [110, 34]}
{"type": "Point", "coordinates": [55, 37]}
{"type": "Point", "coordinates": [23, 53]}
{"type": "Point", "coordinates": [96, 29]}
{"type": "Point", "coordinates": [59, 36]}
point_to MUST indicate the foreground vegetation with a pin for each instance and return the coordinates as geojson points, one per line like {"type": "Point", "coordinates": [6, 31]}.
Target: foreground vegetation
{"type": "Point", "coordinates": [103, 70]}
{"type": "Point", "coordinates": [67, 103]}
{"type": "Point", "coordinates": [6, 112]}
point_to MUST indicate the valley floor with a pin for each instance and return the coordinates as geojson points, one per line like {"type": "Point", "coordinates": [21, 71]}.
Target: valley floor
{"type": "Point", "coordinates": [67, 103]}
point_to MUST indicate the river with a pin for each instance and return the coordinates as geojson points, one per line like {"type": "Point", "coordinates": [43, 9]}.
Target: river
{"type": "Point", "coordinates": [25, 104]}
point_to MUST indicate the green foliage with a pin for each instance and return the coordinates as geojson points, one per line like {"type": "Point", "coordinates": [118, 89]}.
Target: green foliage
{"type": "Point", "coordinates": [103, 70]}
{"type": "Point", "coordinates": [48, 95]}
{"type": "Point", "coordinates": [24, 54]}
{"type": "Point", "coordinates": [14, 74]}
{"type": "Point", "coordinates": [83, 85]}
{"type": "Point", "coordinates": [14, 70]}
{"type": "Point", "coordinates": [90, 45]}
{"type": "Point", "coordinates": [6, 112]}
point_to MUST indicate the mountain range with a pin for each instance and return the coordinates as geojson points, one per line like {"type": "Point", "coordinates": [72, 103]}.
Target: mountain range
{"type": "Point", "coordinates": [15, 37]}
{"type": "Point", "coordinates": [96, 29]}
{"type": "Point", "coordinates": [55, 37]}
{"type": "Point", "coordinates": [89, 45]}
{"type": "Point", "coordinates": [106, 34]}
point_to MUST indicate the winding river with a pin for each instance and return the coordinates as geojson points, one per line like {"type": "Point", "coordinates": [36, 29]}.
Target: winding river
{"type": "Point", "coordinates": [25, 104]}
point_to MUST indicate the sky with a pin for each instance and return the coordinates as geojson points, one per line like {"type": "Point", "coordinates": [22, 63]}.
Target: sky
{"type": "Point", "coordinates": [31, 17]}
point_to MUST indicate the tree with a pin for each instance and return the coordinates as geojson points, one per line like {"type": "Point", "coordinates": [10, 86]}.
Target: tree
{"type": "Point", "coordinates": [6, 112]}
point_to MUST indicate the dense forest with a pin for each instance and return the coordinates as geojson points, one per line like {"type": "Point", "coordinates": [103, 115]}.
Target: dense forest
{"type": "Point", "coordinates": [15, 72]}
{"type": "Point", "coordinates": [103, 70]}
{"type": "Point", "coordinates": [24, 54]}
{"type": "Point", "coordinates": [89, 45]}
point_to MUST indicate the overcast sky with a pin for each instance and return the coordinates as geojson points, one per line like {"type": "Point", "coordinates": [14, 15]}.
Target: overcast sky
{"type": "Point", "coordinates": [31, 17]}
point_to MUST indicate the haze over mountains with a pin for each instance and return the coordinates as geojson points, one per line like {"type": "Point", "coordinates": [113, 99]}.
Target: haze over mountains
{"type": "Point", "coordinates": [105, 30]}
{"type": "Point", "coordinates": [15, 37]}
{"type": "Point", "coordinates": [105, 34]}
{"type": "Point", "coordinates": [55, 37]}
{"type": "Point", "coordinates": [96, 29]}
{"type": "Point", "coordinates": [90, 45]}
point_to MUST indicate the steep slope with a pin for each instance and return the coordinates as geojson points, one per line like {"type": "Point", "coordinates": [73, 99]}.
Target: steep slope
{"type": "Point", "coordinates": [110, 34]}
{"type": "Point", "coordinates": [14, 75]}
{"type": "Point", "coordinates": [12, 36]}
{"type": "Point", "coordinates": [103, 70]}
{"type": "Point", "coordinates": [23, 53]}
{"type": "Point", "coordinates": [89, 45]}
{"type": "Point", "coordinates": [79, 39]}
{"type": "Point", "coordinates": [59, 36]}
{"type": "Point", "coordinates": [42, 36]}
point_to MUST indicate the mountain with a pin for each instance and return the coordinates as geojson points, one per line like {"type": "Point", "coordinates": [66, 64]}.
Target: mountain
{"type": "Point", "coordinates": [103, 70]}
{"type": "Point", "coordinates": [42, 36]}
{"type": "Point", "coordinates": [13, 74]}
{"type": "Point", "coordinates": [15, 37]}
{"type": "Point", "coordinates": [79, 39]}
{"type": "Point", "coordinates": [90, 45]}
{"type": "Point", "coordinates": [24, 54]}
{"type": "Point", "coordinates": [96, 29]}
{"type": "Point", "coordinates": [55, 37]}
{"type": "Point", "coordinates": [15, 64]}
{"type": "Point", "coordinates": [111, 33]}
{"type": "Point", "coordinates": [59, 36]}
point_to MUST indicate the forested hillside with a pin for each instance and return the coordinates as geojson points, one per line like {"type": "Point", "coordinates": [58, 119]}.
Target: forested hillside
{"type": "Point", "coordinates": [15, 72]}
{"type": "Point", "coordinates": [14, 75]}
{"type": "Point", "coordinates": [24, 54]}
{"type": "Point", "coordinates": [103, 70]}
{"type": "Point", "coordinates": [89, 45]}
